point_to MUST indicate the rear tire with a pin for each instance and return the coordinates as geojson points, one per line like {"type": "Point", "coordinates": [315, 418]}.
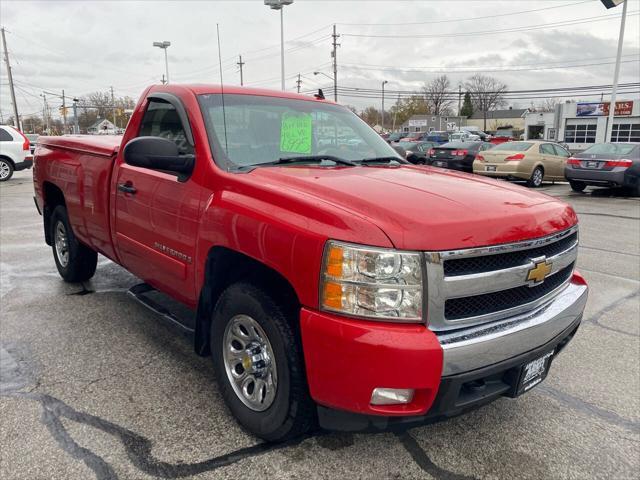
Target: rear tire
{"type": "Point", "coordinates": [75, 262]}
{"type": "Point", "coordinates": [6, 170]}
{"type": "Point", "coordinates": [577, 186]}
{"type": "Point", "coordinates": [262, 327]}
{"type": "Point", "coordinates": [536, 178]}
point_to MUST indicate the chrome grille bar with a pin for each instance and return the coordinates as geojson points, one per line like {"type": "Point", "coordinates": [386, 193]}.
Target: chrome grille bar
{"type": "Point", "coordinates": [441, 287]}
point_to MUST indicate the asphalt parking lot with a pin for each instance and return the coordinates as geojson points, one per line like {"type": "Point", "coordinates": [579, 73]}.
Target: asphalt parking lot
{"type": "Point", "coordinates": [93, 385]}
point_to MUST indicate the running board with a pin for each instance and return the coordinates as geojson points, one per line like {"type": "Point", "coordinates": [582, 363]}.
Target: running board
{"type": "Point", "coordinates": [161, 305]}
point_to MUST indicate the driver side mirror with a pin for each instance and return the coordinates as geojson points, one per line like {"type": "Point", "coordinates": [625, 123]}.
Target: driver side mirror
{"type": "Point", "coordinates": [157, 153]}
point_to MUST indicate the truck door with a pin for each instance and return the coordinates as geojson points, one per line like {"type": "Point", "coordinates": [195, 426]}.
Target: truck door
{"type": "Point", "coordinates": [156, 213]}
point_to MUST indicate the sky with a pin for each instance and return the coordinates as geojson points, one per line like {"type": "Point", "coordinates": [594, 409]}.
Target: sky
{"type": "Point", "coordinates": [87, 46]}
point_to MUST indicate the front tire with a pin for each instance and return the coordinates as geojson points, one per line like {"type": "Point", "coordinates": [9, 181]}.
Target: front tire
{"type": "Point", "coordinates": [258, 362]}
{"type": "Point", "coordinates": [75, 261]}
{"type": "Point", "coordinates": [535, 181]}
{"type": "Point", "coordinates": [577, 186]}
{"type": "Point", "coordinates": [6, 170]}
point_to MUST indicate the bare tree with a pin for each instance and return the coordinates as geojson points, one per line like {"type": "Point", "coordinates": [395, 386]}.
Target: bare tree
{"type": "Point", "coordinates": [487, 93]}
{"type": "Point", "coordinates": [546, 105]}
{"type": "Point", "coordinates": [437, 95]}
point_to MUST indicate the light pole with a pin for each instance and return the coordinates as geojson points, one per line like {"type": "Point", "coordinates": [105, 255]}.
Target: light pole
{"type": "Point", "coordinates": [164, 45]}
{"type": "Point", "coordinates": [616, 72]}
{"type": "Point", "coordinates": [333, 79]}
{"type": "Point", "coordinates": [279, 5]}
{"type": "Point", "coordinates": [383, 84]}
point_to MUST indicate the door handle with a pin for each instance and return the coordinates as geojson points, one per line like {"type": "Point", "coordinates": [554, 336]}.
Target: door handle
{"type": "Point", "coordinates": [127, 188]}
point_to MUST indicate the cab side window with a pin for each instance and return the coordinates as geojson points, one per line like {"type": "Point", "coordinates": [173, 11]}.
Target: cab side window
{"type": "Point", "coordinates": [547, 149]}
{"type": "Point", "coordinates": [162, 120]}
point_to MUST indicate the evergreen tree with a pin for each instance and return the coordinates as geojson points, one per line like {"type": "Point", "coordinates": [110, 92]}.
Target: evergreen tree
{"type": "Point", "coordinates": [467, 106]}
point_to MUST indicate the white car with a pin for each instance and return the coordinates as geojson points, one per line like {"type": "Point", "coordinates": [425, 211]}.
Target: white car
{"type": "Point", "coordinates": [464, 136]}
{"type": "Point", "coordinates": [14, 152]}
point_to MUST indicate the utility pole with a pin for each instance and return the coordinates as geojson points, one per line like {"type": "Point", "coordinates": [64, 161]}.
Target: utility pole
{"type": "Point", "coordinates": [459, 98]}
{"type": "Point", "coordinates": [76, 126]}
{"type": "Point", "coordinates": [64, 114]}
{"type": "Point", "coordinates": [113, 107]}
{"type": "Point", "coordinates": [45, 116]}
{"type": "Point", "coordinates": [334, 54]}
{"type": "Point", "coordinates": [298, 83]}
{"type": "Point", "coordinates": [163, 80]}
{"type": "Point", "coordinates": [16, 117]}
{"type": "Point", "coordinates": [382, 112]}
{"type": "Point", "coordinates": [241, 64]}
{"type": "Point", "coordinates": [616, 74]}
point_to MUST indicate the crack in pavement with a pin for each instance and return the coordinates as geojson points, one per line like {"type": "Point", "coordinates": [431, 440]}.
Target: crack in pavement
{"type": "Point", "coordinates": [419, 456]}
{"type": "Point", "coordinates": [594, 410]}
{"type": "Point", "coordinates": [137, 447]}
{"type": "Point", "coordinates": [595, 317]}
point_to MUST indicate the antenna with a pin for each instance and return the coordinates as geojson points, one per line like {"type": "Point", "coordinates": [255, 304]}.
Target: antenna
{"type": "Point", "coordinates": [224, 113]}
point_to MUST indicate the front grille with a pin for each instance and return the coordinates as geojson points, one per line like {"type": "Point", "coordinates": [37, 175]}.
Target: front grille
{"type": "Point", "coordinates": [457, 308]}
{"type": "Point", "coordinates": [488, 263]}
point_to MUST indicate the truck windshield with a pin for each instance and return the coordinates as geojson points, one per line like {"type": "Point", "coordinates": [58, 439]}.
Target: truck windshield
{"type": "Point", "coordinates": [252, 130]}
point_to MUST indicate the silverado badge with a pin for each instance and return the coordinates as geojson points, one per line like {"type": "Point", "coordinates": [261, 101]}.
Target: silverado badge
{"type": "Point", "coordinates": [540, 270]}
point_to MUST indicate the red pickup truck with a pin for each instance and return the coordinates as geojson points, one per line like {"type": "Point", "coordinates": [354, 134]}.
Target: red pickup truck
{"type": "Point", "coordinates": [330, 280]}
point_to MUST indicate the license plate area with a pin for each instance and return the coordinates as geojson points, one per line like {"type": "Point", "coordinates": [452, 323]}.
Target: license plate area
{"type": "Point", "coordinates": [440, 164]}
{"type": "Point", "coordinates": [490, 168]}
{"type": "Point", "coordinates": [534, 372]}
{"type": "Point", "coordinates": [592, 164]}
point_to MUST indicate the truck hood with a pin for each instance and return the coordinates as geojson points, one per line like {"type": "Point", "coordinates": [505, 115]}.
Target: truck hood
{"type": "Point", "coordinates": [423, 208]}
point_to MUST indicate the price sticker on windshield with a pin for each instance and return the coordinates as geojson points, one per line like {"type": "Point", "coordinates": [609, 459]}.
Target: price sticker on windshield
{"type": "Point", "coordinates": [296, 133]}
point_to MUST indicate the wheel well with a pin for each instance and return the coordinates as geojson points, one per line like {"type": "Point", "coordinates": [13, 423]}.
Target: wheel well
{"type": "Point", "coordinates": [225, 267]}
{"type": "Point", "coordinates": [4, 157]}
{"type": "Point", "coordinates": [53, 197]}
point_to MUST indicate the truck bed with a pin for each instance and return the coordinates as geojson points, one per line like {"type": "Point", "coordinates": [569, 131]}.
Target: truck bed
{"type": "Point", "coordinates": [81, 167]}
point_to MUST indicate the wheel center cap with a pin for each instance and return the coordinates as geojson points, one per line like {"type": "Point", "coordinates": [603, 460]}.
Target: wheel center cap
{"type": "Point", "coordinates": [256, 359]}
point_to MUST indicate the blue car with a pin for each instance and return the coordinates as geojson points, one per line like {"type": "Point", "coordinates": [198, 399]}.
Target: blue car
{"type": "Point", "coordinates": [438, 137]}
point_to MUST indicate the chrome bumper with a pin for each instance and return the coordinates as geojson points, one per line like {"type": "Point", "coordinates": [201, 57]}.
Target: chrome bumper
{"type": "Point", "coordinates": [471, 348]}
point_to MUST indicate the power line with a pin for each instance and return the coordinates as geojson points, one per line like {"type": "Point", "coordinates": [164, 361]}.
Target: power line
{"type": "Point", "coordinates": [476, 70]}
{"type": "Point", "coordinates": [542, 26]}
{"type": "Point", "coordinates": [456, 20]}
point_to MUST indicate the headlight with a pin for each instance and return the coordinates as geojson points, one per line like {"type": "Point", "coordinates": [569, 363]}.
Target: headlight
{"type": "Point", "coordinates": [371, 282]}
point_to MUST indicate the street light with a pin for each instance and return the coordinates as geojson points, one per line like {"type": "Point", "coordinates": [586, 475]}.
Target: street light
{"type": "Point", "coordinates": [164, 45]}
{"type": "Point", "coordinates": [383, 84]}
{"type": "Point", "coordinates": [333, 79]}
{"type": "Point", "coordinates": [279, 5]}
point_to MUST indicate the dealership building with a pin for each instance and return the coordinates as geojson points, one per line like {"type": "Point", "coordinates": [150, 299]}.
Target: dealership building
{"type": "Point", "coordinates": [583, 123]}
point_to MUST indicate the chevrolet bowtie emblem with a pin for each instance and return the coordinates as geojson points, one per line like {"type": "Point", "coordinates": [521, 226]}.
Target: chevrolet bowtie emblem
{"type": "Point", "coordinates": [541, 269]}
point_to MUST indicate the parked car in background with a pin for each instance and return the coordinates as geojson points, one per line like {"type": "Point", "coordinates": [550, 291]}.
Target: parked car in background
{"type": "Point", "coordinates": [418, 152]}
{"type": "Point", "coordinates": [476, 131]}
{"type": "Point", "coordinates": [457, 155]}
{"type": "Point", "coordinates": [438, 137]}
{"type": "Point", "coordinates": [605, 165]}
{"type": "Point", "coordinates": [533, 161]}
{"type": "Point", "coordinates": [414, 137]}
{"type": "Point", "coordinates": [15, 153]}
{"type": "Point", "coordinates": [396, 136]}
{"type": "Point", "coordinates": [463, 136]}
{"type": "Point", "coordinates": [33, 139]}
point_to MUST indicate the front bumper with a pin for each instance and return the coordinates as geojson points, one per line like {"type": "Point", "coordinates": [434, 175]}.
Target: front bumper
{"type": "Point", "coordinates": [347, 358]}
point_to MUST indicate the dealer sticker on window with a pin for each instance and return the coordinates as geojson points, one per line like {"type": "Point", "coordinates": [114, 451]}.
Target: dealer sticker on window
{"type": "Point", "coordinates": [296, 133]}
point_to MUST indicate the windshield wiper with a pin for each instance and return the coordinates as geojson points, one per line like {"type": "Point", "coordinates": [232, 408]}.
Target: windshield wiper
{"type": "Point", "coordinates": [372, 160]}
{"type": "Point", "coordinates": [305, 159]}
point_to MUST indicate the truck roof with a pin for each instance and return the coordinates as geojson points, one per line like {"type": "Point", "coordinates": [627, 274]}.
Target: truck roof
{"type": "Point", "coordinates": [203, 89]}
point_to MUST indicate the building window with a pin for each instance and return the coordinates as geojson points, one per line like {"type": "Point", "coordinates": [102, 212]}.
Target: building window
{"type": "Point", "coordinates": [416, 129]}
{"type": "Point", "coordinates": [406, 129]}
{"type": "Point", "coordinates": [580, 133]}
{"type": "Point", "coordinates": [625, 132]}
